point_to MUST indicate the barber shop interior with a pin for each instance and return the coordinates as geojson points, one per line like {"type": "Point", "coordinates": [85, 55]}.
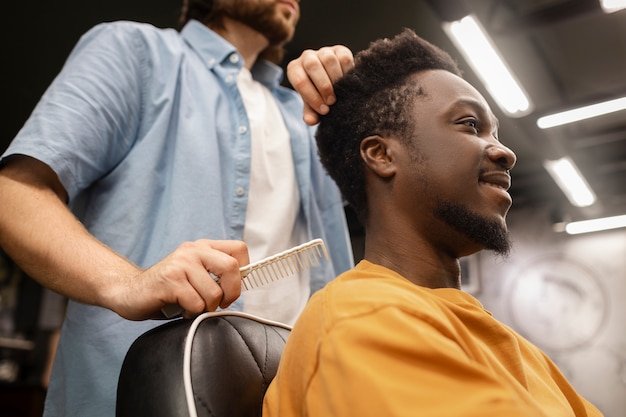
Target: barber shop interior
{"type": "Point", "coordinates": [552, 72]}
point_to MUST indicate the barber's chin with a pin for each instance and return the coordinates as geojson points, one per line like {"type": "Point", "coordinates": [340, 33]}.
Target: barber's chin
{"type": "Point", "coordinates": [278, 38]}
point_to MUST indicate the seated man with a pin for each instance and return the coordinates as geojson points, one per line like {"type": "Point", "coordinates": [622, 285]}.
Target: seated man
{"type": "Point", "coordinates": [414, 149]}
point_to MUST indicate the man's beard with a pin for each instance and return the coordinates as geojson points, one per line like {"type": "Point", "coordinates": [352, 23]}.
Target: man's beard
{"type": "Point", "coordinates": [486, 232]}
{"type": "Point", "coordinates": [260, 17]}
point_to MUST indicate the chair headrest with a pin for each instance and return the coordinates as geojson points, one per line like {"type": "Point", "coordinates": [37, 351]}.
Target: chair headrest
{"type": "Point", "coordinates": [219, 364]}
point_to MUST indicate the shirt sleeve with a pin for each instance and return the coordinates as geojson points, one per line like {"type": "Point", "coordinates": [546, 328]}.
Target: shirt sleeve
{"type": "Point", "coordinates": [86, 120]}
{"type": "Point", "coordinates": [394, 364]}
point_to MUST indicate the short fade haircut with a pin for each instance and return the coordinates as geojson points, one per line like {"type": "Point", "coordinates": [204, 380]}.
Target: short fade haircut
{"type": "Point", "coordinates": [374, 98]}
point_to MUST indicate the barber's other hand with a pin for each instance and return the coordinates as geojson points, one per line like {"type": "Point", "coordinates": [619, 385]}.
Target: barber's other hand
{"type": "Point", "coordinates": [312, 75]}
{"type": "Point", "coordinates": [184, 278]}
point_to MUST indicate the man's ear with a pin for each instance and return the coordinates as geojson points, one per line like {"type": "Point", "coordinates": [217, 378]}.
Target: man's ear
{"type": "Point", "coordinates": [377, 155]}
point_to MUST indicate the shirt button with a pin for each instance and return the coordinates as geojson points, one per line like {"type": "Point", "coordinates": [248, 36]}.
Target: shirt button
{"type": "Point", "coordinates": [234, 58]}
{"type": "Point", "coordinates": [229, 79]}
{"type": "Point", "coordinates": [243, 130]}
{"type": "Point", "coordinates": [240, 191]}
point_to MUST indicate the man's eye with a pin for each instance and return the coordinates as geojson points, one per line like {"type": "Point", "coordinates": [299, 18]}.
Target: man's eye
{"type": "Point", "coordinates": [473, 123]}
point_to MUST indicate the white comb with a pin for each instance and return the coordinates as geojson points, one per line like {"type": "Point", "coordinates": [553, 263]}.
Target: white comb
{"type": "Point", "coordinates": [272, 268]}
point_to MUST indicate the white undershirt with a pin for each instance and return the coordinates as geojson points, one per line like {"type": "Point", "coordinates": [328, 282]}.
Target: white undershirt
{"type": "Point", "coordinates": [273, 205]}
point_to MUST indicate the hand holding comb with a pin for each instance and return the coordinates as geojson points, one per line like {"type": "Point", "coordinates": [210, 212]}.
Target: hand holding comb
{"type": "Point", "coordinates": [271, 269]}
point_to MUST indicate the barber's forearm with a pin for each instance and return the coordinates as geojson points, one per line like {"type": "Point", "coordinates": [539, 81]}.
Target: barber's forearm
{"type": "Point", "coordinates": [45, 239]}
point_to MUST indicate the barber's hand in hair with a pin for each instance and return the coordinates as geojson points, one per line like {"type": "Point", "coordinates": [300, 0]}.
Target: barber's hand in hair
{"type": "Point", "coordinates": [184, 278]}
{"type": "Point", "coordinates": [313, 74]}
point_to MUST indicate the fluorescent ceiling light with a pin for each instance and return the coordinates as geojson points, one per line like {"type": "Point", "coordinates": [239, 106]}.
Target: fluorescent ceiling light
{"type": "Point", "coordinates": [571, 181]}
{"type": "Point", "coordinates": [595, 225]}
{"type": "Point", "coordinates": [479, 51]}
{"type": "Point", "coordinates": [610, 6]}
{"type": "Point", "coordinates": [581, 113]}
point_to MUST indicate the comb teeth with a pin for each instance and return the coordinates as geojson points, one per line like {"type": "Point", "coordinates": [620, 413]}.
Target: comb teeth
{"type": "Point", "coordinates": [283, 264]}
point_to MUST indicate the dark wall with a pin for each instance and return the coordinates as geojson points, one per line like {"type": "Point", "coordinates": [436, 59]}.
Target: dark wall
{"type": "Point", "coordinates": [38, 37]}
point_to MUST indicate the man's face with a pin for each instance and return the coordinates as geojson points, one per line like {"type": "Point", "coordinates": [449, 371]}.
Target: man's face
{"type": "Point", "coordinates": [275, 19]}
{"type": "Point", "coordinates": [456, 168]}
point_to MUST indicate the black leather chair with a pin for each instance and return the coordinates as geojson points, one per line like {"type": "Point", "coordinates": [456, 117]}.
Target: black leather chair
{"type": "Point", "coordinates": [219, 364]}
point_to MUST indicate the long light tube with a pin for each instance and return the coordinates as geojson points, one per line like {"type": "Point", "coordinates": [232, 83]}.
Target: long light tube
{"type": "Point", "coordinates": [480, 53]}
{"type": "Point", "coordinates": [595, 225]}
{"type": "Point", "coordinates": [570, 180]}
{"type": "Point", "coordinates": [610, 6]}
{"type": "Point", "coordinates": [581, 113]}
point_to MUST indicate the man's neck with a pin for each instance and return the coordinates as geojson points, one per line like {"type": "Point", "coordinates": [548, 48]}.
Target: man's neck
{"type": "Point", "coordinates": [411, 250]}
{"type": "Point", "coordinates": [248, 42]}
{"type": "Point", "coordinates": [415, 261]}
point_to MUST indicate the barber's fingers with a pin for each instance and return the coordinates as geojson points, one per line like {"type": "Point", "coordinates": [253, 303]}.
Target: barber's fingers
{"type": "Point", "coordinates": [310, 116]}
{"type": "Point", "coordinates": [223, 263]}
{"type": "Point", "coordinates": [307, 76]}
{"type": "Point", "coordinates": [337, 60]}
{"type": "Point", "coordinates": [312, 75]}
{"type": "Point", "coordinates": [187, 278]}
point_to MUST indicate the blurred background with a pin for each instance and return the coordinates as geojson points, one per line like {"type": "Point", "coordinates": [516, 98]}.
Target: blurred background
{"type": "Point", "coordinates": [563, 289]}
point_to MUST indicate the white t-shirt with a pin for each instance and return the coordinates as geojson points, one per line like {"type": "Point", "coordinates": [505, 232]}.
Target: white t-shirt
{"type": "Point", "coordinates": [273, 205]}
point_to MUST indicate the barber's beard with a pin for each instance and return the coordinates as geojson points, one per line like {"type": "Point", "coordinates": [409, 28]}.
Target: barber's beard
{"type": "Point", "coordinates": [261, 17]}
{"type": "Point", "coordinates": [493, 235]}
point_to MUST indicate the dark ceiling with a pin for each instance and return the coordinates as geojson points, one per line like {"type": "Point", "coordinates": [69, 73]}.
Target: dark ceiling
{"type": "Point", "coordinates": [565, 53]}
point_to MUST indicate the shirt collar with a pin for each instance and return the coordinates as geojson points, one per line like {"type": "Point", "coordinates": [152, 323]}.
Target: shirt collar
{"type": "Point", "coordinates": [215, 50]}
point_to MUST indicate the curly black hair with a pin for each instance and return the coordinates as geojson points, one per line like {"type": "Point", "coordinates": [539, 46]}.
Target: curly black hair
{"type": "Point", "coordinates": [374, 98]}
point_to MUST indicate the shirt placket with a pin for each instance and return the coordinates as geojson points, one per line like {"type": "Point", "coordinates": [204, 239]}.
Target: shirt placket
{"type": "Point", "coordinates": [240, 126]}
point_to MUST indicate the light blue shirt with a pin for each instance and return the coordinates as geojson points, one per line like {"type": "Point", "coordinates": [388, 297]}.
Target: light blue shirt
{"type": "Point", "coordinates": [147, 131]}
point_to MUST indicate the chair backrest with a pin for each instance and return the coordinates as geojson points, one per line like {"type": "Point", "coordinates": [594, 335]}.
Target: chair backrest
{"type": "Point", "coordinates": [219, 364]}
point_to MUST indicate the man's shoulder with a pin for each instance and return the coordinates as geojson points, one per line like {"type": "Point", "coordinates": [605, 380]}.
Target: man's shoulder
{"type": "Point", "coordinates": [133, 42]}
{"type": "Point", "coordinates": [125, 30]}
